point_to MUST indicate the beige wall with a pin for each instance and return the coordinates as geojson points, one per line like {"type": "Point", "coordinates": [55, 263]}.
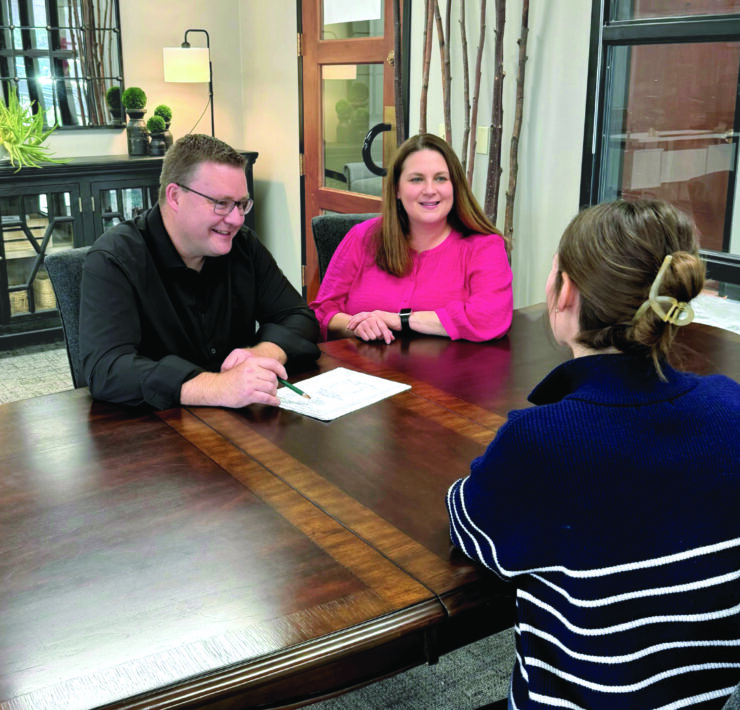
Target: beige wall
{"type": "Point", "coordinates": [253, 45]}
{"type": "Point", "coordinates": [269, 68]}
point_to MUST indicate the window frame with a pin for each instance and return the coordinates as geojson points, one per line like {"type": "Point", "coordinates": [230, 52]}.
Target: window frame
{"type": "Point", "coordinates": [605, 33]}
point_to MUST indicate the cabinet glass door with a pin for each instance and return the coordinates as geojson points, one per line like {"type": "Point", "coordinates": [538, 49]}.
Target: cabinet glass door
{"type": "Point", "coordinates": [113, 205]}
{"type": "Point", "coordinates": [33, 225]}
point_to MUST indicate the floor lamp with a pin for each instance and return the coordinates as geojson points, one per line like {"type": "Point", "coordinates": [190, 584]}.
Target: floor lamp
{"type": "Point", "coordinates": [191, 65]}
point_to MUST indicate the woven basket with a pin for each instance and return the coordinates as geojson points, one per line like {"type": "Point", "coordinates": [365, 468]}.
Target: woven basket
{"type": "Point", "coordinates": [43, 293]}
{"type": "Point", "coordinates": [18, 302]}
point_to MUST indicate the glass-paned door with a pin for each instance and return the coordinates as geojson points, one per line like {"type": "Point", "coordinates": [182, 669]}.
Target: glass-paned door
{"type": "Point", "coordinates": [352, 103]}
{"type": "Point", "coordinates": [347, 89]}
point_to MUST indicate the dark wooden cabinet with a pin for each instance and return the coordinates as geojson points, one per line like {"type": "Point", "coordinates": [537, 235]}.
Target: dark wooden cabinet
{"type": "Point", "coordinates": [60, 207]}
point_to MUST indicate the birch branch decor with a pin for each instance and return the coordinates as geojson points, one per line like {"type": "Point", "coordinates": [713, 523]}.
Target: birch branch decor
{"type": "Point", "coordinates": [444, 60]}
{"type": "Point", "coordinates": [429, 18]}
{"type": "Point", "coordinates": [466, 87]}
{"type": "Point", "coordinates": [493, 181]}
{"type": "Point", "coordinates": [471, 87]}
{"type": "Point", "coordinates": [476, 93]}
{"type": "Point", "coordinates": [516, 130]}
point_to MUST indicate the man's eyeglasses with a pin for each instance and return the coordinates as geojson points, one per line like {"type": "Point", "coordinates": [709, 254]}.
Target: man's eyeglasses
{"type": "Point", "coordinates": [223, 207]}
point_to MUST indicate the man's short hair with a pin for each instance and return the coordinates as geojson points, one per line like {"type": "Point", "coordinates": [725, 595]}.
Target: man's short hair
{"type": "Point", "coordinates": [187, 153]}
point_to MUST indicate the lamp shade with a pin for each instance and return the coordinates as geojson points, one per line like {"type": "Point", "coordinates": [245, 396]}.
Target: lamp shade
{"type": "Point", "coordinates": [186, 64]}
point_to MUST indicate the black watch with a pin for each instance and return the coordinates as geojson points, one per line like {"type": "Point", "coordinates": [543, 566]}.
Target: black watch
{"type": "Point", "coordinates": [405, 313]}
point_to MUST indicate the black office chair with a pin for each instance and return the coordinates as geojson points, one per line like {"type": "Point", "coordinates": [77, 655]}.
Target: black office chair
{"type": "Point", "coordinates": [65, 271]}
{"type": "Point", "coordinates": [329, 230]}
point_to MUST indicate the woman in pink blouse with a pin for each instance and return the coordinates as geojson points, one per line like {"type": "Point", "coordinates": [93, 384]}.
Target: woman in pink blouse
{"type": "Point", "coordinates": [431, 264]}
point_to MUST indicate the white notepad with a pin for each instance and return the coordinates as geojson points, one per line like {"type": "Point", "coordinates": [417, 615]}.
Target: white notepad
{"type": "Point", "coordinates": [338, 392]}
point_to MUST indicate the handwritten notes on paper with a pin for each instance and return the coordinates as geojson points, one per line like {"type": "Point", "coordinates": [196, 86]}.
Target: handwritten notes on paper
{"type": "Point", "coordinates": [338, 392]}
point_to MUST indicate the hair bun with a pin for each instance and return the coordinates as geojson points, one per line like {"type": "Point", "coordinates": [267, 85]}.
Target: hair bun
{"type": "Point", "coordinates": [685, 278]}
{"type": "Point", "coordinates": [613, 253]}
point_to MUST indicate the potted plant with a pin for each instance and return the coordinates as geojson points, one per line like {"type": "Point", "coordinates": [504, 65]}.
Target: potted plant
{"type": "Point", "coordinates": [22, 134]}
{"type": "Point", "coordinates": [166, 113]}
{"type": "Point", "coordinates": [113, 101]}
{"type": "Point", "coordinates": [156, 127]}
{"type": "Point", "coordinates": [134, 101]}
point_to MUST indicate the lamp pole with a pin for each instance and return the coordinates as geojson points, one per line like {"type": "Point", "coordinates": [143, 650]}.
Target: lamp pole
{"type": "Point", "coordinates": [186, 44]}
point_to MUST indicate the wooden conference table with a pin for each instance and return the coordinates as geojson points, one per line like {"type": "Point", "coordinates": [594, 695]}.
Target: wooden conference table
{"type": "Point", "coordinates": [211, 558]}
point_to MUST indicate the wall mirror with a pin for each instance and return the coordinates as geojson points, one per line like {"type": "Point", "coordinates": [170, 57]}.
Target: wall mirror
{"type": "Point", "coordinates": [66, 55]}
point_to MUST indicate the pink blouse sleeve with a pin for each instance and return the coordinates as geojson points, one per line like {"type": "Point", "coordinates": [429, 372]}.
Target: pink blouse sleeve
{"type": "Point", "coordinates": [345, 264]}
{"type": "Point", "coordinates": [487, 311]}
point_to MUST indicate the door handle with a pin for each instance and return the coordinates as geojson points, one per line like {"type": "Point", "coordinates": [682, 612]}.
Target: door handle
{"type": "Point", "coordinates": [367, 145]}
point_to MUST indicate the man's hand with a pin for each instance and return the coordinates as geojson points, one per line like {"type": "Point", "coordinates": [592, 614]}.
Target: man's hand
{"type": "Point", "coordinates": [248, 379]}
{"type": "Point", "coordinates": [236, 357]}
{"type": "Point", "coordinates": [264, 349]}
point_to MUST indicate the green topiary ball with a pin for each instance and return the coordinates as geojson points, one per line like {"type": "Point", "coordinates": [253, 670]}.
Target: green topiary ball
{"type": "Point", "coordinates": [164, 111]}
{"type": "Point", "coordinates": [113, 97]}
{"type": "Point", "coordinates": [156, 124]}
{"type": "Point", "coordinates": [134, 98]}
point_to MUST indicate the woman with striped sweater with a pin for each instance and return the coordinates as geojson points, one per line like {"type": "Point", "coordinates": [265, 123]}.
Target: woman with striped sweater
{"type": "Point", "coordinates": [614, 504]}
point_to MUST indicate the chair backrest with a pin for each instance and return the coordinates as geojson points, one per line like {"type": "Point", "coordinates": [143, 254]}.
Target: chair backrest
{"type": "Point", "coordinates": [65, 271]}
{"type": "Point", "coordinates": [360, 179]}
{"type": "Point", "coordinates": [329, 230]}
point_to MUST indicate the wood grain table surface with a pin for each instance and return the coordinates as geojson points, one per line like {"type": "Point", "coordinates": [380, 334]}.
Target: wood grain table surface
{"type": "Point", "coordinates": [213, 558]}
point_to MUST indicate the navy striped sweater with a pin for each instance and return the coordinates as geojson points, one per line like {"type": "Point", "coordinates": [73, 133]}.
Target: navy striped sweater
{"type": "Point", "coordinates": [614, 506]}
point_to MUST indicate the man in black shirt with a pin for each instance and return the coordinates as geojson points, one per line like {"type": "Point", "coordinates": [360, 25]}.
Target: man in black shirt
{"type": "Point", "coordinates": [171, 300]}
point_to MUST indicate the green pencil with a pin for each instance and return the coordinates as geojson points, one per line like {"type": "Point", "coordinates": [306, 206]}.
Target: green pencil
{"type": "Point", "coordinates": [294, 388]}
